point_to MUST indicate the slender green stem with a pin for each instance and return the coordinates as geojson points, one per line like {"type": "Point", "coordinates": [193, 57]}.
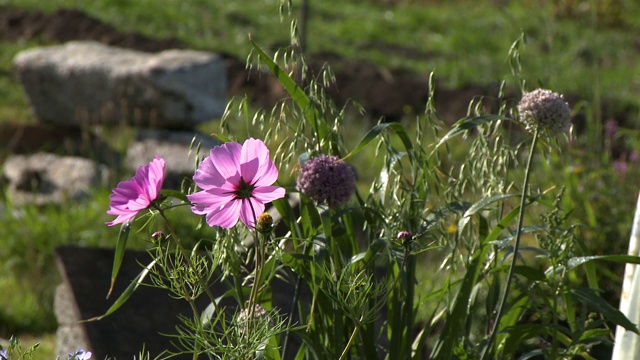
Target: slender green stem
{"type": "Point", "coordinates": [345, 352]}
{"type": "Point", "coordinates": [255, 289]}
{"type": "Point", "coordinates": [294, 301]}
{"type": "Point", "coordinates": [202, 283]}
{"type": "Point", "coordinates": [407, 312]}
{"type": "Point", "coordinates": [516, 246]}
{"type": "Point", "coordinates": [196, 343]}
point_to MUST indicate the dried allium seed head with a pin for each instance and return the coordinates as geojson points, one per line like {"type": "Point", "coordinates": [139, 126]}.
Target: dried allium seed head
{"type": "Point", "coordinates": [259, 312]}
{"type": "Point", "coordinates": [327, 178]}
{"type": "Point", "coordinates": [544, 110]}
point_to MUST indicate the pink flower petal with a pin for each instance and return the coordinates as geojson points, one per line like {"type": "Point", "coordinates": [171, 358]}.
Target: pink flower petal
{"type": "Point", "coordinates": [267, 175]}
{"type": "Point", "coordinates": [251, 209]}
{"type": "Point", "coordinates": [266, 194]}
{"type": "Point", "coordinates": [222, 165]}
{"type": "Point", "coordinates": [225, 217]}
{"type": "Point", "coordinates": [254, 154]}
{"type": "Point", "coordinates": [207, 175]}
{"type": "Point", "coordinates": [256, 167]}
{"type": "Point", "coordinates": [121, 219]}
{"type": "Point", "coordinates": [209, 200]}
{"type": "Point", "coordinates": [221, 175]}
{"type": "Point", "coordinates": [131, 196]}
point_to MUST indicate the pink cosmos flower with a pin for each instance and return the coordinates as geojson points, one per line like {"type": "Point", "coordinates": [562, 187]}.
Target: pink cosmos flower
{"type": "Point", "coordinates": [237, 182]}
{"type": "Point", "coordinates": [131, 196]}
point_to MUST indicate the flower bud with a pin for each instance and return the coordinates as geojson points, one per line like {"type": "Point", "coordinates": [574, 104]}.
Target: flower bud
{"type": "Point", "coordinates": [404, 237]}
{"type": "Point", "coordinates": [265, 223]}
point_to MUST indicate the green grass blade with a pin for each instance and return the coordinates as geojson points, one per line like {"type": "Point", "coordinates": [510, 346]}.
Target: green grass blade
{"type": "Point", "coordinates": [467, 124]}
{"type": "Point", "coordinates": [479, 206]}
{"type": "Point", "coordinates": [457, 319]}
{"type": "Point", "coordinates": [126, 294]}
{"type": "Point", "coordinates": [123, 236]}
{"type": "Point", "coordinates": [577, 261]}
{"type": "Point", "coordinates": [590, 297]}
{"type": "Point", "coordinates": [296, 92]}
{"type": "Point", "coordinates": [377, 130]}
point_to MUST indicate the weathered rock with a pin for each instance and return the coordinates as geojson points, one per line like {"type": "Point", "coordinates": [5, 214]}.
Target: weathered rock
{"type": "Point", "coordinates": [47, 178]}
{"type": "Point", "coordinates": [178, 148]}
{"type": "Point", "coordinates": [86, 82]}
{"type": "Point", "coordinates": [145, 319]}
{"type": "Point", "coordinates": [19, 138]}
{"type": "Point", "coordinates": [140, 322]}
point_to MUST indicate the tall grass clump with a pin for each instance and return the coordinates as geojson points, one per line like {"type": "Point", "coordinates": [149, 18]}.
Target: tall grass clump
{"type": "Point", "coordinates": [512, 277]}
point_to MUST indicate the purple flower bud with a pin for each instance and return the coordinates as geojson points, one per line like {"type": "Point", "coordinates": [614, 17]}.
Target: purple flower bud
{"type": "Point", "coordinates": [610, 128]}
{"type": "Point", "coordinates": [620, 166]}
{"type": "Point", "coordinates": [327, 178]}
{"type": "Point", "coordinates": [404, 236]}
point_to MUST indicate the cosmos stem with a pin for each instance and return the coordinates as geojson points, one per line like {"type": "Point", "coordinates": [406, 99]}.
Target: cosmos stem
{"type": "Point", "coordinates": [260, 240]}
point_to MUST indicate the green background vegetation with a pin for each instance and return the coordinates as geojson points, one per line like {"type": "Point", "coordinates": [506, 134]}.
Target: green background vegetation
{"type": "Point", "coordinates": [588, 49]}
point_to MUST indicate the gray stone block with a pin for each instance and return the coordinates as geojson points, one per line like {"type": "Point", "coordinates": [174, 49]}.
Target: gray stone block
{"type": "Point", "coordinates": [45, 178]}
{"type": "Point", "coordinates": [87, 82]}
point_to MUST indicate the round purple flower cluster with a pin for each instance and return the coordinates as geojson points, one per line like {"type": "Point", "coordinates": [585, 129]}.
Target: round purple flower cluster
{"type": "Point", "coordinates": [327, 178]}
{"type": "Point", "coordinates": [544, 110]}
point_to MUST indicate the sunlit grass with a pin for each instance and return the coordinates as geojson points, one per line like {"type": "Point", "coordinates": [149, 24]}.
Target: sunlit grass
{"type": "Point", "coordinates": [575, 55]}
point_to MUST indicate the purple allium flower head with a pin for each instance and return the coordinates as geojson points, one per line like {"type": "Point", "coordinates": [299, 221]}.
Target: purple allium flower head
{"type": "Point", "coordinates": [610, 128]}
{"type": "Point", "coordinates": [4, 355]}
{"type": "Point", "coordinates": [80, 354]}
{"type": "Point", "coordinates": [621, 167]}
{"type": "Point", "coordinates": [544, 110]}
{"type": "Point", "coordinates": [131, 196]}
{"type": "Point", "coordinates": [237, 183]}
{"type": "Point", "coordinates": [327, 178]}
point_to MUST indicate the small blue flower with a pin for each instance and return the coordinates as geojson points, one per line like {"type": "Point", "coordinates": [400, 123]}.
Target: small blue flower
{"type": "Point", "coordinates": [4, 355]}
{"type": "Point", "coordinates": [80, 354]}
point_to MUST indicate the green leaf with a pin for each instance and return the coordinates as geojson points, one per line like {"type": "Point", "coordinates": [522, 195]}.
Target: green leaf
{"type": "Point", "coordinates": [479, 206]}
{"type": "Point", "coordinates": [208, 313]}
{"type": "Point", "coordinates": [376, 246]}
{"type": "Point", "coordinates": [468, 124]}
{"type": "Point", "coordinates": [126, 294]}
{"type": "Point", "coordinates": [296, 92]}
{"type": "Point", "coordinates": [594, 335]}
{"type": "Point", "coordinates": [519, 334]}
{"type": "Point", "coordinates": [377, 130]}
{"type": "Point", "coordinates": [455, 323]}
{"type": "Point", "coordinates": [174, 194]}
{"type": "Point", "coordinates": [508, 321]}
{"type": "Point", "coordinates": [590, 297]}
{"type": "Point", "coordinates": [577, 261]}
{"type": "Point", "coordinates": [222, 137]}
{"type": "Point", "coordinates": [288, 217]}
{"type": "Point", "coordinates": [123, 236]}
{"type": "Point", "coordinates": [310, 216]}
{"type": "Point", "coordinates": [530, 273]}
